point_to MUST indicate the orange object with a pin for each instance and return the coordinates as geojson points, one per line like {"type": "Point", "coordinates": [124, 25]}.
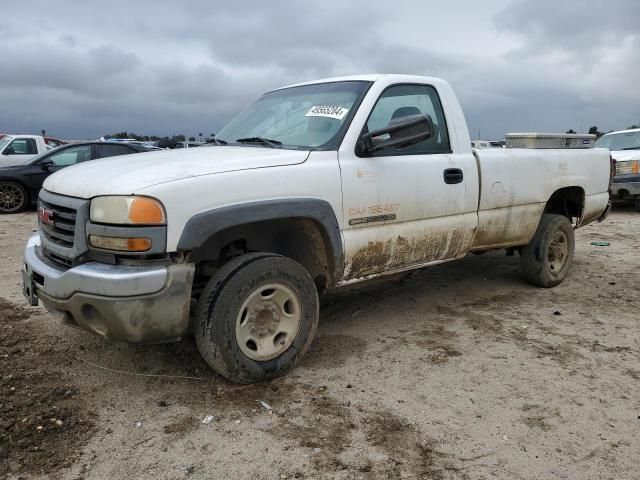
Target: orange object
{"type": "Point", "coordinates": [120, 244]}
{"type": "Point", "coordinates": [146, 211]}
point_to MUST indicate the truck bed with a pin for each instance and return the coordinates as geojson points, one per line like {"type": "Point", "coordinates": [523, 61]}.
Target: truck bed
{"type": "Point", "coordinates": [516, 183]}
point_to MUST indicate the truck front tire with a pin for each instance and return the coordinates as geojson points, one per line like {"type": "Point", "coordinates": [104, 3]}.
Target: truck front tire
{"type": "Point", "coordinates": [256, 317]}
{"type": "Point", "coordinates": [546, 260]}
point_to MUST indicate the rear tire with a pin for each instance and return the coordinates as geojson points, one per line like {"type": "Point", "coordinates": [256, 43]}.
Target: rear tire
{"type": "Point", "coordinates": [546, 260]}
{"type": "Point", "coordinates": [13, 197]}
{"type": "Point", "coordinates": [256, 317]}
{"type": "Point", "coordinates": [636, 203]}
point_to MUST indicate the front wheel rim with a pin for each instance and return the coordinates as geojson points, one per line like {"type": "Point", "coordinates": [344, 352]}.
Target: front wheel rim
{"type": "Point", "coordinates": [558, 252]}
{"type": "Point", "coordinates": [11, 197]}
{"type": "Point", "coordinates": [268, 321]}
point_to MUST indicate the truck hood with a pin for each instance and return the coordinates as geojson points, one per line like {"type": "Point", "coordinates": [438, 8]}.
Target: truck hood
{"type": "Point", "coordinates": [624, 155]}
{"type": "Point", "coordinates": [127, 174]}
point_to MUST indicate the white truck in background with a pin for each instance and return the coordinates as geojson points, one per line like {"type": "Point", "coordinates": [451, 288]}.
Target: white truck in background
{"type": "Point", "coordinates": [314, 187]}
{"type": "Point", "coordinates": [17, 149]}
{"type": "Point", "coordinates": [625, 150]}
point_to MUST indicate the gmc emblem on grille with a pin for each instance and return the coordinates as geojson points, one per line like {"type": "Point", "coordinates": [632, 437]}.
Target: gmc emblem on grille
{"type": "Point", "coordinates": [45, 216]}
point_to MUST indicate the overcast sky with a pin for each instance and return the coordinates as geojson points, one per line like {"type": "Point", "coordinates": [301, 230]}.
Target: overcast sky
{"type": "Point", "coordinates": [166, 67]}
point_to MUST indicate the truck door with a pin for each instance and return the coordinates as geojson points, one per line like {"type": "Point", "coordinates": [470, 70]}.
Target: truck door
{"type": "Point", "coordinates": [21, 149]}
{"type": "Point", "coordinates": [403, 207]}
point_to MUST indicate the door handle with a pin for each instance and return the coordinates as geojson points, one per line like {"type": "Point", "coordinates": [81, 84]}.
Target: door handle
{"type": "Point", "coordinates": [453, 175]}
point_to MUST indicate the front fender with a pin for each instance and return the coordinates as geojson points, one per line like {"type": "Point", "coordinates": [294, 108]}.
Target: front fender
{"type": "Point", "coordinates": [205, 225]}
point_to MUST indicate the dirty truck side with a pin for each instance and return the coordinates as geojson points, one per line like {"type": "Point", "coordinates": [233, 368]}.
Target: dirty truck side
{"type": "Point", "coordinates": [313, 187]}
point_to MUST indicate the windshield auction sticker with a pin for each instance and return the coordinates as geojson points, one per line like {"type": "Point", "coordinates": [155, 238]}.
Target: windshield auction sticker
{"type": "Point", "coordinates": [330, 111]}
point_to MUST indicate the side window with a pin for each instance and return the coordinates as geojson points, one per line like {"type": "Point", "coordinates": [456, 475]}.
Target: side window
{"type": "Point", "coordinates": [23, 146]}
{"type": "Point", "coordinates": [71, 156]}
{"type": "Point", "coordinates": [406, 100]}
{"type": "Point", "coordinates": [113, 150]}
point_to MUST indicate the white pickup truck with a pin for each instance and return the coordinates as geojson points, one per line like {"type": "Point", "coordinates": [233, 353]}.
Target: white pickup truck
{"type": "Point", "coordinates": [313, 187]}
{"type": "Point", "coordinates": [17, 149]}
{"type": "Point", "coordinates": [625, 150]}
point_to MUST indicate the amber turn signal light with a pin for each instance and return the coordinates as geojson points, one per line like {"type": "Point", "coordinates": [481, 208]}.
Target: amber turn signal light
{"type": "Point", "coordinates": [145, 210]}
{"type": "Point", "coordinates": [120, 244]}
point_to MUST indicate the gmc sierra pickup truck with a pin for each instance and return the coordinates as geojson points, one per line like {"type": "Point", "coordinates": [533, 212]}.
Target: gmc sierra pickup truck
{"type": "Point", "coordinates": [314, 187]}
{"type": "Point", "coordinates": [625, 150]}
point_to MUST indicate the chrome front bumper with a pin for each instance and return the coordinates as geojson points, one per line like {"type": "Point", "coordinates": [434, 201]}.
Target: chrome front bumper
{"type": "Point", "coordinates": [625, 189]}
{"type": "Point", "coordinates": [135, 304]}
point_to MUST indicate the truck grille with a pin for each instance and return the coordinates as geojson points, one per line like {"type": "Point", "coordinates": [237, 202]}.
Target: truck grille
{"type": "Point", "coordinates": [62, 221]}
{"type": "Point", "coordinates": [58, 224]}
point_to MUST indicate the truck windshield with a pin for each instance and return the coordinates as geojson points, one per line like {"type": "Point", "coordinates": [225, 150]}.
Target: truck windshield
{"type": "Point", "coordinates": [4, 141]}
{"type": "Point", "coordinates": [620, 141]}
{"type": "Point", "coordinates": [306, 117]}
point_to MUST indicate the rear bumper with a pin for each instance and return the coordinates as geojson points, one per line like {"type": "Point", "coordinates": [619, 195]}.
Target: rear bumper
{"type": "Point", "coordinates": [135, 304]}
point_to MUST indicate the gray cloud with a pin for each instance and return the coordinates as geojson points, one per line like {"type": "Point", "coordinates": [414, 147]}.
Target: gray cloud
{"type": "Point", "coordinates": [165, 68]}
{"type": "Point", "coordinates": [574, 27]}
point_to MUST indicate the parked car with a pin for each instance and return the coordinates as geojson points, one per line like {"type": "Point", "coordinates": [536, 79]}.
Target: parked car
{"type": "Point", "coordinates": [21, 180]}
{"type": "Point", "coordinates": [188, 144]}
{"type": "Point", "coordinates": [486, 144]}
{"type": "Point", "coordinates": [132, 141]}
{"type": "Point", "coordinates": [54, 142]}
{"type": "Point", "coordinates": [315, 186]}
{"type": "Point", "coordinates": [147, 145]}
{"type": "Point", "coordinates": [20, 148]}
{"type": "Point", "coordinates": [118, 140]}
{"type": "Point", "coordinates": [625, 150]}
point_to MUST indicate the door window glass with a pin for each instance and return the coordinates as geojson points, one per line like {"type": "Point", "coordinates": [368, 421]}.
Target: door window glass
{"type": "Point", "coordinates": [71, 156]}
{"type": "Point", "coordinates": [23, 146]}
{"type": "Point", "coordinates": [406, 100]}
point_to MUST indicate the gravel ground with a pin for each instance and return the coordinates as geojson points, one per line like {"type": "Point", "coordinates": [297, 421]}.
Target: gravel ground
{"type": "Point", "coordinates": [459, 371]}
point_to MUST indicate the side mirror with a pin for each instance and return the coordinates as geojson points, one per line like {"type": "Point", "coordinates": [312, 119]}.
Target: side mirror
{"type": "Point", "coordinates": [46, 165]}
{"type": "Point", "coordinates": [7, 151]}
{"type": "Point", "coordinates": [400, 133]}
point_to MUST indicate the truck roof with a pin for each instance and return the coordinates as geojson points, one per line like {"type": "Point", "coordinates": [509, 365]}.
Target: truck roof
{"type": "Point", "coordinates": [373, 77]}
{"type": "Point", "coordinates": [21, 135]}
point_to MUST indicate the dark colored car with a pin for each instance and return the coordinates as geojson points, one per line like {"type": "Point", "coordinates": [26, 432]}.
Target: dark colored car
{"type": "Point", "coordinates": [20, 182]}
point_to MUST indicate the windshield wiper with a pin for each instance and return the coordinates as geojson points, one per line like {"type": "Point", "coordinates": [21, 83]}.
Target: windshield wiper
{"type": "Point", "coordinates": [631, 148]}
{"type": "Point", "coordinates": [261, 140]}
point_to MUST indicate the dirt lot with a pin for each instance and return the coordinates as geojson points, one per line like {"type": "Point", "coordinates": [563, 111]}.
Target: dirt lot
{"type": "Point", "coordinates": [459, 371]}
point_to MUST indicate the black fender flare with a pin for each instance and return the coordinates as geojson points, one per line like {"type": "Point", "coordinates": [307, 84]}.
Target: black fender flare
{"type": "Point", "coordinates": [203, 226]}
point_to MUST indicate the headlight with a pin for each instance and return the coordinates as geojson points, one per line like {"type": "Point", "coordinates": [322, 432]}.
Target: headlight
{"type": "Point", "coordinates": [133, 210]}
{"type": "Point", "coordinates": [628, 167]}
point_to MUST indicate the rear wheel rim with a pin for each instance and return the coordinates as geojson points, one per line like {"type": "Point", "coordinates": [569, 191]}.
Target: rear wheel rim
{"type": "Point", "coordinates": [11, 197]}
{"type": "Point", "coordinates": [558, 252]}
{"type": "Point", "coordinates": [268, 321]}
